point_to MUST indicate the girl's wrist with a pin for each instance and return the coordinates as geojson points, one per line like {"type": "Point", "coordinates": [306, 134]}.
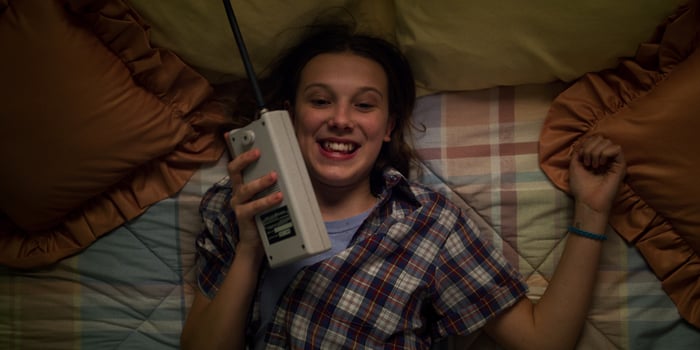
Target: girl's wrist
{"type": "Point", "coordinates": [588, 219]}
{"type": "Point", "coordinates": [254, 253]}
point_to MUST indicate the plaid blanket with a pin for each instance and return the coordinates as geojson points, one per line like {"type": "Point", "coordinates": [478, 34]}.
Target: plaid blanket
{"type": "Point", "coordinates": [131, 289]}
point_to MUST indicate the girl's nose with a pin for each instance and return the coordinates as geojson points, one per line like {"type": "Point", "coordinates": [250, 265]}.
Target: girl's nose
{"type": "Point", "coordinates": [341, 118]}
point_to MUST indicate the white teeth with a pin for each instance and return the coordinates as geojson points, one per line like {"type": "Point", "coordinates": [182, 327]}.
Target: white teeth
{"type": "Point", "coordinates": [339, 147]}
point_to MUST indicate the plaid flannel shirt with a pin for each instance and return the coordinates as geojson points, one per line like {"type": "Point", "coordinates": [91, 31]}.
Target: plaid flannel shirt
{"type": "Point", "coordinates": [415, 271]}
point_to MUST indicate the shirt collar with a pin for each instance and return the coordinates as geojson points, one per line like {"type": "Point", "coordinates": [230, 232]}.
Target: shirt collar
{"type": "Point", "coordinates": [395, 181]}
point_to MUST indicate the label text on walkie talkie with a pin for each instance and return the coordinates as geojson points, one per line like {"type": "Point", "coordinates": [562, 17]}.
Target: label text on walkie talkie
{"type": "Point", "coordinates": [278, 224]}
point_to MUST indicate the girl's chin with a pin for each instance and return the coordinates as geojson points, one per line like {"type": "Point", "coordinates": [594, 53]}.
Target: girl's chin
{"type": "Point", "coordinates": [336, 180]}
{"type": "Point", "coordinates": [339, 178]}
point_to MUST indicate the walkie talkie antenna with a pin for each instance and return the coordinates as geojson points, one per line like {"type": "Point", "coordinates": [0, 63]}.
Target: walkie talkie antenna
{"type": "Point", "coordinates": [244, 56]}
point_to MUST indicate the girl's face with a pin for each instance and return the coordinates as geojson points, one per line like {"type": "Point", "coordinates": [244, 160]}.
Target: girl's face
{"type": "Point", "coordinates": [341, 118]}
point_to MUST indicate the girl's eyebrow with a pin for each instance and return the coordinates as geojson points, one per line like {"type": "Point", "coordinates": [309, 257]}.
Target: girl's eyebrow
{"type": "Point", "coordinates": [316, 85]}
{"type": "Point", "coordinates": [329, 89]}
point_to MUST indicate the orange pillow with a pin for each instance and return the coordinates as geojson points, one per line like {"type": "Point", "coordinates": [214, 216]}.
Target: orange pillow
{"type": "Point", "coordinates": [650, 105]}
{"type": "Point", "coordinates": [96, 125]}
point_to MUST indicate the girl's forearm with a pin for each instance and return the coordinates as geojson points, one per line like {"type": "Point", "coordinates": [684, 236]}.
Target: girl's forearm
{"type": "Point", "coordinates": [221, 322]}
{"type": "Point", "coordinates": [563, 308]}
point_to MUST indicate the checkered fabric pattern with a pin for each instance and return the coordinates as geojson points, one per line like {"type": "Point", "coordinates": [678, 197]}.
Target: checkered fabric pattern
{"type": "Point", "coordinates": [415, 271]}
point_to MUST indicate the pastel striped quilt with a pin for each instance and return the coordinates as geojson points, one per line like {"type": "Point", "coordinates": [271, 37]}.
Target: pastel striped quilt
{"type": "Point", "coordinates": [131, 289]}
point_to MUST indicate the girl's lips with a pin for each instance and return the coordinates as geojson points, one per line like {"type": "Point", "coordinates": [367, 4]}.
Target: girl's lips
{"type": "Point", "coordinates": [338, 148]}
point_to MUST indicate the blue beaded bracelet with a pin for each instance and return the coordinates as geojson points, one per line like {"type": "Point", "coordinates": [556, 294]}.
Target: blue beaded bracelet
{"type": "Point", "coordinates": [587, 234]}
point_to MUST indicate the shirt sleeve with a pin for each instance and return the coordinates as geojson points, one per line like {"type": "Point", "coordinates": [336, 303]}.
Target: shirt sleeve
{"type": "Point", "coordinates": [215, 245]}
{"type": "Point", "coordinates": [474, 282]}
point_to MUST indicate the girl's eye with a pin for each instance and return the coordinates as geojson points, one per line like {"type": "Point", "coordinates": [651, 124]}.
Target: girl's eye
{"type": "Point", "coordinates": [319, 102]}
{"type": "Point", "coordinates": [364, 106]}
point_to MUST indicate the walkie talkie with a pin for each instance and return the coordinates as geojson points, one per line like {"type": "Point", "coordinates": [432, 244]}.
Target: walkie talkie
{"type": "Point", "coordinates": [294, 229]}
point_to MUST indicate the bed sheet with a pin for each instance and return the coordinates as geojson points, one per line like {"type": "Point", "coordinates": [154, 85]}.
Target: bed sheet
{"type": "Point", "coordinates": [480, 148]}
{"type": "Point", "coordinates": [131, 288]}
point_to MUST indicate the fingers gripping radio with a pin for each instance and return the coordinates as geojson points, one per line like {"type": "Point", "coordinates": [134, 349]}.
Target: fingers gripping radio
{"type": "Point", "coordinates": [294, 229]}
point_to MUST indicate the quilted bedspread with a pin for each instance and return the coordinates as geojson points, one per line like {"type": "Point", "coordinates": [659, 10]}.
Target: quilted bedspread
{"type": "Point", "coordinates": [131, 289]}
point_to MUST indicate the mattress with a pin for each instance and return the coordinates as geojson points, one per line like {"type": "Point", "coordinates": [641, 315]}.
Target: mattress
{"type": "Point", "coordinates": [131, 289]}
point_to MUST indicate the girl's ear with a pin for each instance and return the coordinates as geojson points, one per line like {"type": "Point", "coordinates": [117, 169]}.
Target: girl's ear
{"type": "Point", "coordinates": [389, 129]}
{"type": "Point", "coordinates": [290, 109]}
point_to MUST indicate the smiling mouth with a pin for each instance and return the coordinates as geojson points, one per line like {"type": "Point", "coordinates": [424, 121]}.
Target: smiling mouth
{"type": "Point", "coordinates": [339, 147]}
